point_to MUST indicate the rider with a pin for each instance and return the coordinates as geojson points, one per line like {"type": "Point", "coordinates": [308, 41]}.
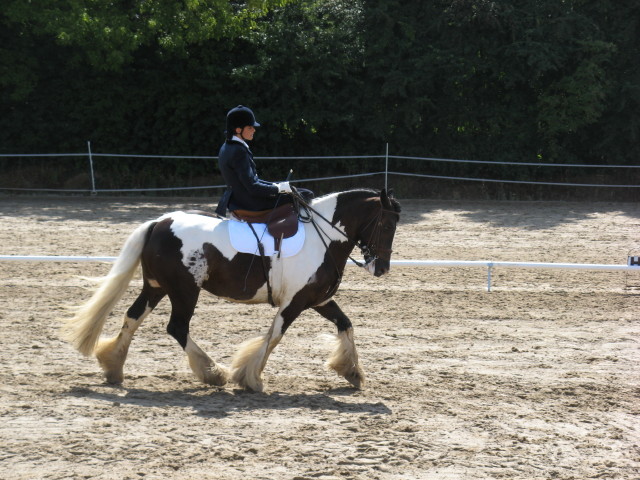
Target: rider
{"type": "Point", "coordinates": [245, 190]}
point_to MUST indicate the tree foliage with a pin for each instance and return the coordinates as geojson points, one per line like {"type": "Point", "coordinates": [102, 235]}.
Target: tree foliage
{"type": "Point", "coordinates": [109, 33]}
{"type": "Point", "coordinates": [518, 80]}
{"type": "Point", "coordinates": [487, 79]}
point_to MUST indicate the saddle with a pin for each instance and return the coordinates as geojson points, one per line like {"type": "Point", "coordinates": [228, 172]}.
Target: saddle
{"type": "Point", "coordinates": [282, 221]}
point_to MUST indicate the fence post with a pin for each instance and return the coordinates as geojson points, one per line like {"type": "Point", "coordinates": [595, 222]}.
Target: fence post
{"type": "Point", "coordinates": [489, 267]}
{"type": "Point", "coordinates": [93, 179]}
{"type": "Point", "coordinates": [386, 168]}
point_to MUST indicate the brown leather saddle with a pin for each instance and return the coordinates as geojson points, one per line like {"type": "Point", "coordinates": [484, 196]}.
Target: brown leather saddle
{"type": "Point", "coordinates": [282, 221]}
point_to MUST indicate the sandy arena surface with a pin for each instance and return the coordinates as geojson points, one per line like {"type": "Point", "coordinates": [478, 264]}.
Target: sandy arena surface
{"type": "Point", "coordinates": [538, 379]}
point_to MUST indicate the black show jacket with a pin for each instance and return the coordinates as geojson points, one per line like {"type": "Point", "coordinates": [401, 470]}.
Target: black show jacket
{"type": "Point", "coordinates": [238, 169]}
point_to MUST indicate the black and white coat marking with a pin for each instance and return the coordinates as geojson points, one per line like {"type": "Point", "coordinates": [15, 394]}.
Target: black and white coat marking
{"type": "Point", "coordinates": [183, 253]}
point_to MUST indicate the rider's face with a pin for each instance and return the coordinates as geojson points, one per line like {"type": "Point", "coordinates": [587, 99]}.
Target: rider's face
{"type": "Point", "coordinates": [246, 133]}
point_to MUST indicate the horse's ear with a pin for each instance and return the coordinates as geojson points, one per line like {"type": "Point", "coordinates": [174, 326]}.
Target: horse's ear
{"type": "Point", "coordinates": [384, 198]}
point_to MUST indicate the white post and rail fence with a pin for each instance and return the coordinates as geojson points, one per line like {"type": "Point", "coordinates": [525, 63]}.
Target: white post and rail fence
{"type": "Point", "coordinates": [633, 263]}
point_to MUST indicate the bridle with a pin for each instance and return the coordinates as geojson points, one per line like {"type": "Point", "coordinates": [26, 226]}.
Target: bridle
{"type": "Point", "coordinates": [369, 249]}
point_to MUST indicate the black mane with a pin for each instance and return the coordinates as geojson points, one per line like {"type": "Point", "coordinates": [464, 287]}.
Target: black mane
{"type": "Point", "coordinates": [371, 192]}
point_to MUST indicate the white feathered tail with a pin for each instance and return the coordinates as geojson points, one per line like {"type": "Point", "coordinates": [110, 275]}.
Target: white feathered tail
{"type": "Point", "coordinates": [83, 329]}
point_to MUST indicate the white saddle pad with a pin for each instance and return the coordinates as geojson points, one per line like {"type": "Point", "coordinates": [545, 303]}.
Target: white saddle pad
{"type": "Point", "coordinates": [244, 241]}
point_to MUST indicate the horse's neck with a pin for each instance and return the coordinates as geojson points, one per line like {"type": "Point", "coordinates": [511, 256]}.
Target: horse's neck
{"type": "Point", "coordinates": [327, 206]}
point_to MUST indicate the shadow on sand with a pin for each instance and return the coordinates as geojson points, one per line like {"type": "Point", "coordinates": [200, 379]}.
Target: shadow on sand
{"type": "Point", "coordinates": [212, 402]}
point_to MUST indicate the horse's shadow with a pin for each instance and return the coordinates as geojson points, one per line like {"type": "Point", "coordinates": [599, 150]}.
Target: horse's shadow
{"type": "Point", "coordinates": [220, 403]}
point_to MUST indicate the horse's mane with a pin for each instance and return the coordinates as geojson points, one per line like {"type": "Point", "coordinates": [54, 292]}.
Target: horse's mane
{"type": "Point", "coordinates": [364, 193]}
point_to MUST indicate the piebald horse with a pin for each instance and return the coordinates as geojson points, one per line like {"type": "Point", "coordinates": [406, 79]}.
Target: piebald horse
{"type": "Point", "coordinates": [182, 253]}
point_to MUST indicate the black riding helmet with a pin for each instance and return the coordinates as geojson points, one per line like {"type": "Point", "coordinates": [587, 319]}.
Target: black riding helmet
{"type": "Point", "coordinates": [240, 117]}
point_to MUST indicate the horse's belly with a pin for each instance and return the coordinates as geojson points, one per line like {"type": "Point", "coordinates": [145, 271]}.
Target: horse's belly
{"type": "Point", "coordinates": [240, 279]}
{"type": "Point", "coordinates": [250, 301]}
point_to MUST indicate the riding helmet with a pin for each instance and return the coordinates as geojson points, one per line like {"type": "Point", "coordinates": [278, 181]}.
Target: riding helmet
{"type": "Point", "coordinates": [240, 117]}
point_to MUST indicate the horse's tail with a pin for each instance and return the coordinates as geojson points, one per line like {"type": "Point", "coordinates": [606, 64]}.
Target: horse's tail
{"type": "Point", "coordinates": [84, 328]}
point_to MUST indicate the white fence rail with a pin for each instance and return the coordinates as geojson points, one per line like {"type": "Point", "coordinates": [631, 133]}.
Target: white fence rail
{"type": "Point", "coordinates": [489, 265]}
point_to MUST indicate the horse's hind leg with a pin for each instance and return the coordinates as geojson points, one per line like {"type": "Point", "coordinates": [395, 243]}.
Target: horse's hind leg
{"type": "Point", "coordinates": [112, 353]}
{"type": "Point", "coordinates": [182, 307]}
{"type": "Point", "coordinates": [344, 358]}
{"type": "Point", "coordinates": [204, 367]}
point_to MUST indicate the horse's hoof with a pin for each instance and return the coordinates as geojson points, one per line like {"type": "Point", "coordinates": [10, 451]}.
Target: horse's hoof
{"type": "Point", "coordinates": [247, 389]}
{"type": "Point", "coordinates": [114, 378]}
{"type": "Point", "coordinates": [249, 383]}
{"type": "Point", "coordinates": [218, 376]}
{"type": "Point", "coordinates": [254, 387]}
{"type": "Point", "coordinates": [215, 381]}
{"type": "Point", "coordinates": [356, 379]}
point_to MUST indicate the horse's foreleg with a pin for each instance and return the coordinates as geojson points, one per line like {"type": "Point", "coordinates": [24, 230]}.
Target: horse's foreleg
{"type": "Point", "coordinates": [344, 358]}
{"type": "Point", "coordinates": [251, 357]}
{"type": "Point", "coordinates": [112, 353]}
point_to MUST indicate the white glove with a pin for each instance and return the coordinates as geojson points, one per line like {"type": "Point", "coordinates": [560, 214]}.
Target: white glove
{"type": "Point", "coordinates": [283, 187]}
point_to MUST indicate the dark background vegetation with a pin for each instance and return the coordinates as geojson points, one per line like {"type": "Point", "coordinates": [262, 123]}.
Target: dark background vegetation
{"type": "Point", "coordinates": [547, 81]}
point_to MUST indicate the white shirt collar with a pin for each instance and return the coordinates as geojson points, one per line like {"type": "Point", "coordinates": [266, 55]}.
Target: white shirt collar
{"type": "Point", "coordinates": [238, 139]}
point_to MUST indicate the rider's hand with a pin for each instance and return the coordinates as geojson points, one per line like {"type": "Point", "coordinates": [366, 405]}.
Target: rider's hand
{"type": "Point", "coordinates": [283, 187]}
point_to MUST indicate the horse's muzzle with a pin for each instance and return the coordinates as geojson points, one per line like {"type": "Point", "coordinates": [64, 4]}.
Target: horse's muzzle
{"type": "Point", "coordinates": [377, 267]}
{"type": "Point", "coordinates": [381, 267]}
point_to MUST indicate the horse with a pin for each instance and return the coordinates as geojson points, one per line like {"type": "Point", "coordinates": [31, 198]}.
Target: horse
{"type": "Point", "coordinates": [182, 253]}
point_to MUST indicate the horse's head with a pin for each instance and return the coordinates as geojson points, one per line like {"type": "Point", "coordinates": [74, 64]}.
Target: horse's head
{"type": "Point", "coordinates": [377, 232]}
{"type": "Point", "coordinates": [366, 218]}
